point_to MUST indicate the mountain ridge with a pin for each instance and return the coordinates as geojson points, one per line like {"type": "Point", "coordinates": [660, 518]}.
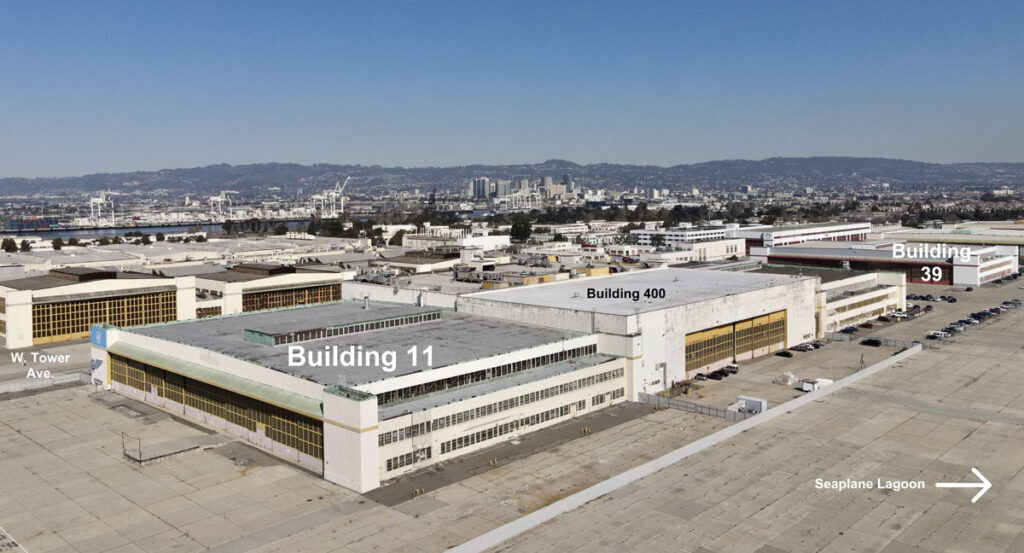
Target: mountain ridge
{"type": "Point", "coordinates": [771, 172]}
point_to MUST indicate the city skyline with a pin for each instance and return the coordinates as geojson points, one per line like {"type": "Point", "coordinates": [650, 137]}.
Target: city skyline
{"type": "Point", "coordinates": [114, 87]}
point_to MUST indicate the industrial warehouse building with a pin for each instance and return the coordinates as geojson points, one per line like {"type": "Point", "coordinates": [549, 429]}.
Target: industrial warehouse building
{"type": "Point", "coordinates": [363, 392]}
{"type": "Point", "coordinates": [848, 298]}
{"type": "Point", "coordinates": [798, 234]}
{"type": "Point", "coordinates": [982, 264]}
{"type": "Point", "coordinates": [256, 286]}
{"type": "Point", "coordinates": [1006, 236]}
{"type": "Point", "coordinates": [669, 324]}
{"type": "Point", "coordinates": [420, 385]}
{"type": "Point", "coordinates": [756, 235]}
{"type": "Point", "coordinates": [64, 303]}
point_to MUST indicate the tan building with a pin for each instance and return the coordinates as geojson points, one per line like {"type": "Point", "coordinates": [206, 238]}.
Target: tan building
{"type": "Point", "coordinates": [63, 304]}
{"type": "Point", "coordinates": [257, 286]}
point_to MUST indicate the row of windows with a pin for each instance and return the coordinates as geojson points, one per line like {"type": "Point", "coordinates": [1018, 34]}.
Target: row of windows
{"type": "Point", "coordinates": [855, 305]}
{"type": "Point", "coordinates": [3, 327]}
{"type": "Point", "coordinates": [72, 319]}
{"type": "Point", "coordinates": [275, 299]}
{"type": "Point", "coordinates": [502, 429]}
{"type": "Point", "coordinates": [408, 459]}
{"type": "Point", "coordinates": [286, 427]}
{"type": "Point", "coordinates": [863, 317]}
{"type": "Point", "coordinates": [735, 339]}
{"type": "Point", "coordinates": [353, 328]}
{"type": "Point", "coordinates": [402, 394]}
{"type": "Point", "coordinates": [496, 407]}
{"type": "Point", "coordinates": [3, 304]}
{"type": "Point", "coordinates": [203, 312]}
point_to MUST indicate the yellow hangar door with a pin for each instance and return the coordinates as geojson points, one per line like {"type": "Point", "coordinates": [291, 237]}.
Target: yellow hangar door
{"type": "Point", "coordinates": [718, 346]}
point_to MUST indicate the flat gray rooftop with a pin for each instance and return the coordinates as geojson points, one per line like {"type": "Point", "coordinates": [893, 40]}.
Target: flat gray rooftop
{"type": "Point", "coordinates": [826, 275]}
{"type": "Point", "coordinates": [682, 287]}
{"type": "Point", "coordinates": [46, 282]}
{"type": "Point", "coordinates": [456, 338]}
{"type": "Point", "coordinates": [837, 250]}
{"type": "Point", "coordinates": [324, 316]}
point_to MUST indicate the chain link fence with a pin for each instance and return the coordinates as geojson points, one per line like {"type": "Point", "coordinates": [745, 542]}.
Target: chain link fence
{"type": "Point", "coordinates": [690, 407]}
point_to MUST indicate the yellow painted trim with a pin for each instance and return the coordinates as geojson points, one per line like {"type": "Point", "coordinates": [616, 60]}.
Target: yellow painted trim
{"type": "Point", "coordinates": [352, 428]}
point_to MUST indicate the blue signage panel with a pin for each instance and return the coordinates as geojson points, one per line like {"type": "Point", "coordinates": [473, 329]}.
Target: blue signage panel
{"type": "Point", "coordinates": [98, 337]}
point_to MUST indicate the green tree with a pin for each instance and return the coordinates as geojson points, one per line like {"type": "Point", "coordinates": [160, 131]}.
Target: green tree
{"type": "Point", "coordinates": [228, 226]}
{"type": "Point", "coordinates": [73, 241]}
{"type": "Point", "coordinates": [658, 240]}
{"type": "Point", "coordinates": [520, 229]}
{"type": "Point", "coordinates": [9, 245]}
{"type": "Point", "coordinates": [396, 240]}
{"type": "Point", "coordinates": [57, 243]}
{"type": "Point", "coordinates": [160, 237]}
{"type": "Point", "coordinates": [103, 241]}
{"type": "Point", "coordinates": [25, 246]}
{"type": "Point", "coordinates": [117, 240]}
{"type": "Point", "coordinates": [145, 240]}
{"type": "Point", "coordinates": [314, 225]}
{"type": "Point", "coordinates": [200, 238]}
{"type": "Point", "coordinates": [281, 229]}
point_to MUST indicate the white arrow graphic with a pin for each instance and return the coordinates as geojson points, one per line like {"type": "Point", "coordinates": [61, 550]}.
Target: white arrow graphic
{"type": "Point", "coordinates": [984, 484]}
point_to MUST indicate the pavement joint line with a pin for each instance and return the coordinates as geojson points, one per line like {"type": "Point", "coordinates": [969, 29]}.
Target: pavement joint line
{"type": "Point", "coordinates": [512, 529]}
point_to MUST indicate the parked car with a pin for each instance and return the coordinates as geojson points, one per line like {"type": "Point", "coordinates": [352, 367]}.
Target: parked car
{"type": "Point", "coordinates": [783, 353]}
{"type": "Point", "coordinates": [969, 289]}
{"type": "Point", "coordinates": [802, 347]}
{"type": "Point", "coordinates": [866, 325]}
{"type": "Point", "coordinates": [951, 299]}
{"type": "Point", "coordinates": [927, 308]}
{"type": "Point", "coordinates": [885, 319]}
{"type": "Point", "coordinates": [873, 342]}
{"type": "Point", "coordinates": [715, 376]}
{"type": "Point", "coordinates": [818, 344]}
{"type": "Point", "coordinates": [936, 335]}
{"type": "Point", "coordinates": [700, 376]}
{"type": "Point", "coordinates": [721, 372]}
{"type": "Point", "coordinates": [732, 369]}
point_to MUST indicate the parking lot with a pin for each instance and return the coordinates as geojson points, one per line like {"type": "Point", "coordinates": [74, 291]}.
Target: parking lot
{"type": "Point", "coordinates": [943, 313]}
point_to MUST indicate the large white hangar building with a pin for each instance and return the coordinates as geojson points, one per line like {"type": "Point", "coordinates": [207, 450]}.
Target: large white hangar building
{"type": "Point", "coordinates": [669, 324]}
{"type": "Point", "coordinates": [362, 392]}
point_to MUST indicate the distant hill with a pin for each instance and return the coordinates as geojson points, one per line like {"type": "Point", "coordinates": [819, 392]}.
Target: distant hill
{"type": "Point", "coordinates": [255, 179]}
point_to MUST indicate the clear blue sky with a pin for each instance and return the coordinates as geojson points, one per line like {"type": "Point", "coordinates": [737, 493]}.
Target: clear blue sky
{"type": "Point", "coordinates": [115, 86]}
